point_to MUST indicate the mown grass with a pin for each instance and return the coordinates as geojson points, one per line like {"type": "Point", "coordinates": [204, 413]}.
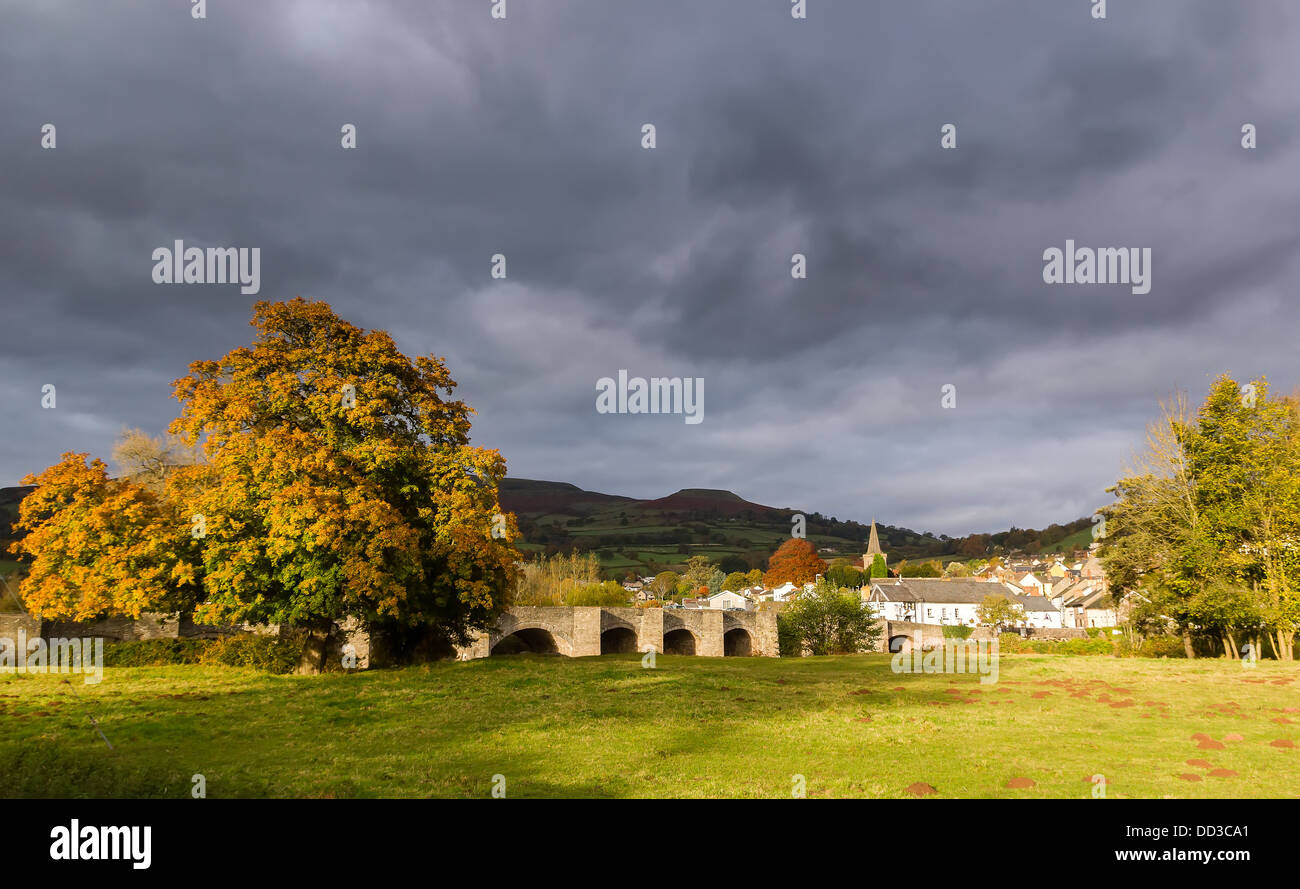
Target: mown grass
{"type": "Point", "coordinates": [692, 727]}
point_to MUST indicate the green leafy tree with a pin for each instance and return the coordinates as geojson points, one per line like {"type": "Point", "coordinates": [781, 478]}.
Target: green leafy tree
{"type": "Point", "coordinates": [878, 566]}
{"type": "Point", "coordinates": [698, 571]}
{"type": "Point", "coordinates": [664, 584]}
{"type": "Point", "coordinates": [845, 576]}
{"type": "Point", "coordinates": [830, 620]}
{"type": "Point", "coordinates": [1207, 527]}
{"type": "Point", "coordinates": [999, 612]}
{"type": "Point", "coordinates": [735, 581]}
{"type": "Point", "coordinates": [919, 569]}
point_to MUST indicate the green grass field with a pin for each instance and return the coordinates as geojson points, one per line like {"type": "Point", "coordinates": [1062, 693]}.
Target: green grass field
{"type": "Point", "coordinates": [693, 727]}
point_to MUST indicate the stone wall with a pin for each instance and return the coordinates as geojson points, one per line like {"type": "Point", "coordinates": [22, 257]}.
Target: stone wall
{"type": "Point", "coordinates": [11, 623]}
{"type": "Point", "coordinates": [1055, 633]}
{"type": "Point", "coordinates": [931, 635]}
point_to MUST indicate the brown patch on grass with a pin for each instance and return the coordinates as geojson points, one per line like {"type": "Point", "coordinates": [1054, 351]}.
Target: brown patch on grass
{"type": "Point", "coordinates": [1187, 776]}
{"type": "Point", "coordinates": [861, 691]}
{"type": "Point", "coordinates": [1282, 742]}
{"type": "Point", "coordinates": [1210, 744]}
{"type": "Point", "coordinates": [1233, 737]}
{"type": "Point", "coordinates": [920, 788]}
{"type": "Point", "coordinates": [1223, 773]}
{"type": "Point", "coordinates": [1199, 763]}
{"type": "Point", "coordinates": [1017, 783]}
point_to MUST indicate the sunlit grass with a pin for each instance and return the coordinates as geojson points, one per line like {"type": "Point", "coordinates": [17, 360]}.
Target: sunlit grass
{"type": "Point", "coordinates": [692, 727]}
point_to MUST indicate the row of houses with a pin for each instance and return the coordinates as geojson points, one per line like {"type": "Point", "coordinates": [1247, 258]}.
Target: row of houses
{"type": "Point", "coordinates": [1049, 593]}
{"type": "Point", "coordinates": [1076, 603]}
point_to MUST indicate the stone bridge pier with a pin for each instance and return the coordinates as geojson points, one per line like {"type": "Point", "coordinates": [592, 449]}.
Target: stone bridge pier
{"type": "Point", "coordinates": [586, 631]}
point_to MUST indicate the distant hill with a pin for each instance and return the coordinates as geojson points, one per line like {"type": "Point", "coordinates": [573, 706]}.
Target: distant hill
{"type": "Point", "coordinates": [646, 536]}
{"type": "Point", "coordinates": [524, 496]}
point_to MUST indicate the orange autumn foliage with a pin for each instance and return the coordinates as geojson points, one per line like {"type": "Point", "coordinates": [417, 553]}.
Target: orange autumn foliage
{"type": "Point", "coordinates": [795, 561]}
{"type": "Point", "coordinates": [100, 546]}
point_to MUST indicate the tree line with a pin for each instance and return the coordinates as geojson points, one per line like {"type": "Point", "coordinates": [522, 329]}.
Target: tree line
{"type": "Point", "coordinates": [1205, 529]}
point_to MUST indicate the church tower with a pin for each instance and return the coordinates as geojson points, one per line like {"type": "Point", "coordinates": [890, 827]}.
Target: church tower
{"type": "Point", "coordinates": [873, 550]}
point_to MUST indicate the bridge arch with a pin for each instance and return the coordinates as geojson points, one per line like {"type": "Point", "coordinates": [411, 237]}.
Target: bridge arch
{"type": "Point", "coordinates": [737, 642]}
{"type": "Point", "coordinates": [618, 640]}
{"type": "Point", "coordinates": [900, 643]}
{"type": "Point", "coordinates": [527, 640]}
{"type": "Point", "coordinates": [680, 640]}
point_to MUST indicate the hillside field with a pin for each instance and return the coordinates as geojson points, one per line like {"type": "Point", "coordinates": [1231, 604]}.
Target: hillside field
{"type": "Point", "coordinates": [692, 727]}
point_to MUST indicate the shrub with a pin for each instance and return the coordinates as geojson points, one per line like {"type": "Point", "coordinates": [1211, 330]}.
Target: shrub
{"type": "Point", "coordinates": [153, 652]}
{"type": "Point", "coordinates": [955, 631]}
{"type": "Point", "coordinates": [1012, 643]}
{"type": "Point", "coordinates": [1158, 646]}
{"type": "Point", "coordinates": [610, 593]}
{"type": "Point", "coordinates": [274, 654]}
{"type": "Point", "coordinates": [787, 636]}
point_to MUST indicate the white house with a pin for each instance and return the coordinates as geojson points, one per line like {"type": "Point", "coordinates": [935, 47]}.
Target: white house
{"type": "Point", "coordinates": [936, 601]}
{"type": "Point", "coordinates": [1039, 612]}
{"type": "Point", "coordinates": [730, 601]}
{"type": "Point", "coordinates": [928, 600]}
{"type": "Point", "coordinates": [1033, 585]}
{"type": "Point", "coordinates": [781, 593]}
{"type": "Point", "coordinates": [1087, 604]}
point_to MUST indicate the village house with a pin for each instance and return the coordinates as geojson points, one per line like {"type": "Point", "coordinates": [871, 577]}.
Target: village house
{"type": "Point", "coordinates": [953, 602]}
{"type": "Point", "coordinates": [729, 601]}
{"type": "Point", "coordinates": [1086, 603]}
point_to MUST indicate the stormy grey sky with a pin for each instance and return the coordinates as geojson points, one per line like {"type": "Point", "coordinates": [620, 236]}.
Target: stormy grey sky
{"type": "Point", "coordinates": [775, 136]}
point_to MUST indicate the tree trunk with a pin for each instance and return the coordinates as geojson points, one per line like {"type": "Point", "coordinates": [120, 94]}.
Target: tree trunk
{"type": "Point", "coordinates": [315, 647]}
{"type": "Point", "coordinates": [1187, 644]}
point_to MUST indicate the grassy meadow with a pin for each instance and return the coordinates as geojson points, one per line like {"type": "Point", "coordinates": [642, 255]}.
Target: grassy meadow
{"type": "Point", "coordinates": [692, 727]}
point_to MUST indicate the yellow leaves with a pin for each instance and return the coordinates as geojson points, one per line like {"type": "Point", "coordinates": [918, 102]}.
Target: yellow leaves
{"type": "Point", "coordinates": [97, 545]}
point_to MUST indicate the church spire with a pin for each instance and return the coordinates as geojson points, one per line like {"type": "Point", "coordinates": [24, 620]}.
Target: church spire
{"type": "Point", "coordinates": [873, 549]}
{"type": "Point", "coordinates": [873, 545]}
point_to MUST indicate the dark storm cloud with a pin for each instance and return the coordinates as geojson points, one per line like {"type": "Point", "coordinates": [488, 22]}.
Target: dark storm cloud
{"type": "Point", "coordinates": [522, 137]}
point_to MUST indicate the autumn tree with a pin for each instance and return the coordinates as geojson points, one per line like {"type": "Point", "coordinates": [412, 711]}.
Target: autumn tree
{"type": "Point", "coordinates": [795, 561]}
{"type": "Point", "coordinates": [100, 546]}
{"type": "Point", "coordinates": [998, 611]}
{"type": "Point", "coordinates": [339, 480]}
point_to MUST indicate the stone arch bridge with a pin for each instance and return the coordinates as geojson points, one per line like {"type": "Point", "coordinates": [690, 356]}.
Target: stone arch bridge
{"type": "Point", "coordinates": [577, 631]}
